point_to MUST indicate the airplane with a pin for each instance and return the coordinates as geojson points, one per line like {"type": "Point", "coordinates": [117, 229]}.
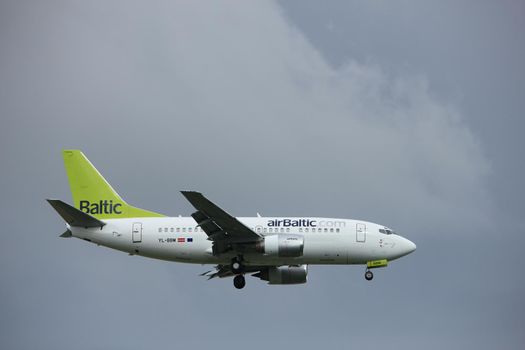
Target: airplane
{"type": "Point", "coordinates": [274, 249]}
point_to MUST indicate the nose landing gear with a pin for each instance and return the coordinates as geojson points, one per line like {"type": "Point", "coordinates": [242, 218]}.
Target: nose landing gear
{"type": "Point", "coordinates": [372, 265]}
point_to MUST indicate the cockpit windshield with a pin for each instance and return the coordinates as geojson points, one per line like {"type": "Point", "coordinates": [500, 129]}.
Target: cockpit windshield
{"type": "Point", "coordinates": [386, 231]}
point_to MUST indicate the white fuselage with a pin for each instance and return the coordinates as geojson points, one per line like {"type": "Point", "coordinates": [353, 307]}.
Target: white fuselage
{"type": "Point", "coordinates": [326, 240]}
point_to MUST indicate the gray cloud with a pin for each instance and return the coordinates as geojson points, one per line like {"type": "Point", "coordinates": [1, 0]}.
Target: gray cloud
{"type": "Point", "coordinates": [232, 100]}
{"type": "Point", "coordinates": [470, 52]}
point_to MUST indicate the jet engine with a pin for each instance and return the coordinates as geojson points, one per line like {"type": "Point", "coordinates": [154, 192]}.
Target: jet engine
{"type": "Point", "coordinates": [283, 246]}
{"type": "Point", "coordinates": [284, 274]}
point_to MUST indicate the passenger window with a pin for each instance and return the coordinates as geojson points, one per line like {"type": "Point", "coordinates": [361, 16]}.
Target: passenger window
{"type": "Point", "coordinates": [178, 229]}
{"type": "Point", "coordinates": [282, 229]}
{"type": "Point", "coordinates": [184, 229]}
{"type": "Point", "coordinates": [264, 230]}
{"type": "Point", "coordinates": [336, 230]}
{"type": "Point", "coordinates": [325, 230]}
{"type": "Point", "coordinates": [270, 230]}
{"type": "Point", "coordinates": [171, 229]}
{"type": "Point", "coordinates": [331, 230]}
{"type": "Point", "coordinates": [258, 230]}
{"type": "Point", "coordinates": [300, 229]}
{"type": "Point", "coordinates": [165, 229]}
{"type": "Point", "coordinates": [189, 229]}
{"type": "Point", "coordinates": [320, 230]}
{"type": "Point", "coordinates": [306, 229]}
{"type": "Point", "coordinates": [160, 229]}
{"type": "Point", "coordinates": [287, 229]}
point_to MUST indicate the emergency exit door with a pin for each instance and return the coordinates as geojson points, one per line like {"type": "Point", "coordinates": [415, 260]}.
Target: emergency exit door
{"type": "Point", "coordinates": [360, 232]}
{"type": "Point", "coordinates": [136, 232]}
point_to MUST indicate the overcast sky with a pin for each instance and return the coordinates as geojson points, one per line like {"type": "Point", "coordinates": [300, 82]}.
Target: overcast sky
{"type": "Point", "coordinates": [404, 113]}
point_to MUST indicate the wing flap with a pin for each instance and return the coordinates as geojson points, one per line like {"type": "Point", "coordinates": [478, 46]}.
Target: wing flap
{"type": "Point", "coordinates": [222, 271]}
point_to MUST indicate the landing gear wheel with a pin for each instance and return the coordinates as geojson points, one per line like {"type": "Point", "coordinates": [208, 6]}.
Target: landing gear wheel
{"type": "Point", "coordinates": [369, 275]}
{"type": "Point", "coordinates": [237, 266]}
{"type": "Point", "coordinates": [239, 281]}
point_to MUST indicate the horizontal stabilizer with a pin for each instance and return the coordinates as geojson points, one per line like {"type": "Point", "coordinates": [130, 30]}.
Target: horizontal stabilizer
{"type": "Point", "coordinates": [73, 216]}
{"type": "Point", "coordinates": [66, 234]}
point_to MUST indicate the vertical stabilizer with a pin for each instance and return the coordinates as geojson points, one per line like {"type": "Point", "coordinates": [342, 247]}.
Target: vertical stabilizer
{"type": "Point", "coordinates": [92, 194]}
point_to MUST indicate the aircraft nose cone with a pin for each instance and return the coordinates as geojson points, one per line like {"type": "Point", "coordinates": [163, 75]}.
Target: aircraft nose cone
{"type": "Point", "coordinates": [407, 246]}
{"type": "Point", "coordinates": [411, 246]}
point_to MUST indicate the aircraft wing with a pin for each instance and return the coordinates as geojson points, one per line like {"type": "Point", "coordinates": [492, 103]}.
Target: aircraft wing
{"type": "Point", "coordinates": [222, 228]}
{"type": "Point", "coordinates": [222, 271]}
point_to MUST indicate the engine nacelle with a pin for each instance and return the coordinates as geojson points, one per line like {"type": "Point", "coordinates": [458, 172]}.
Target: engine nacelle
{"type": "Point", "coordinates": [284, 274]}
{"type": "Point", "coordinates": [283, 246]}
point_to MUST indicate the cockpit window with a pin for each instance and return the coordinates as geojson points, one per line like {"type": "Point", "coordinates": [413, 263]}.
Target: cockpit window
{"type": "Point", "coordinates": [386, 231]}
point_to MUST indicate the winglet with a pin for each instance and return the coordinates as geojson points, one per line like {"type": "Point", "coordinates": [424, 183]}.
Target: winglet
{"type": "Point", "coordinates": [73, 216]}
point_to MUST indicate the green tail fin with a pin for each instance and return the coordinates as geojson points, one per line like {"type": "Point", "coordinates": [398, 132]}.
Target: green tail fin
{"type": "Point", "coordinates": [92, 194]}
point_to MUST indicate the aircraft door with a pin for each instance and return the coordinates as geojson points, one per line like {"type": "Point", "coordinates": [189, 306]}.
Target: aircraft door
{"type": "Point", "coordinates": [360, 232]}
{"type": "Point", "coordinates": [136, 232]}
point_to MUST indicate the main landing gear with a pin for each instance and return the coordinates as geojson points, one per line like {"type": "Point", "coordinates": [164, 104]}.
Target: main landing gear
{"type": "Point", "coordinates": [369, 275]}
{"type": "Point", "coordinates": [239, 281]}
{"type": "Point", "coordinates": [237, 268]}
